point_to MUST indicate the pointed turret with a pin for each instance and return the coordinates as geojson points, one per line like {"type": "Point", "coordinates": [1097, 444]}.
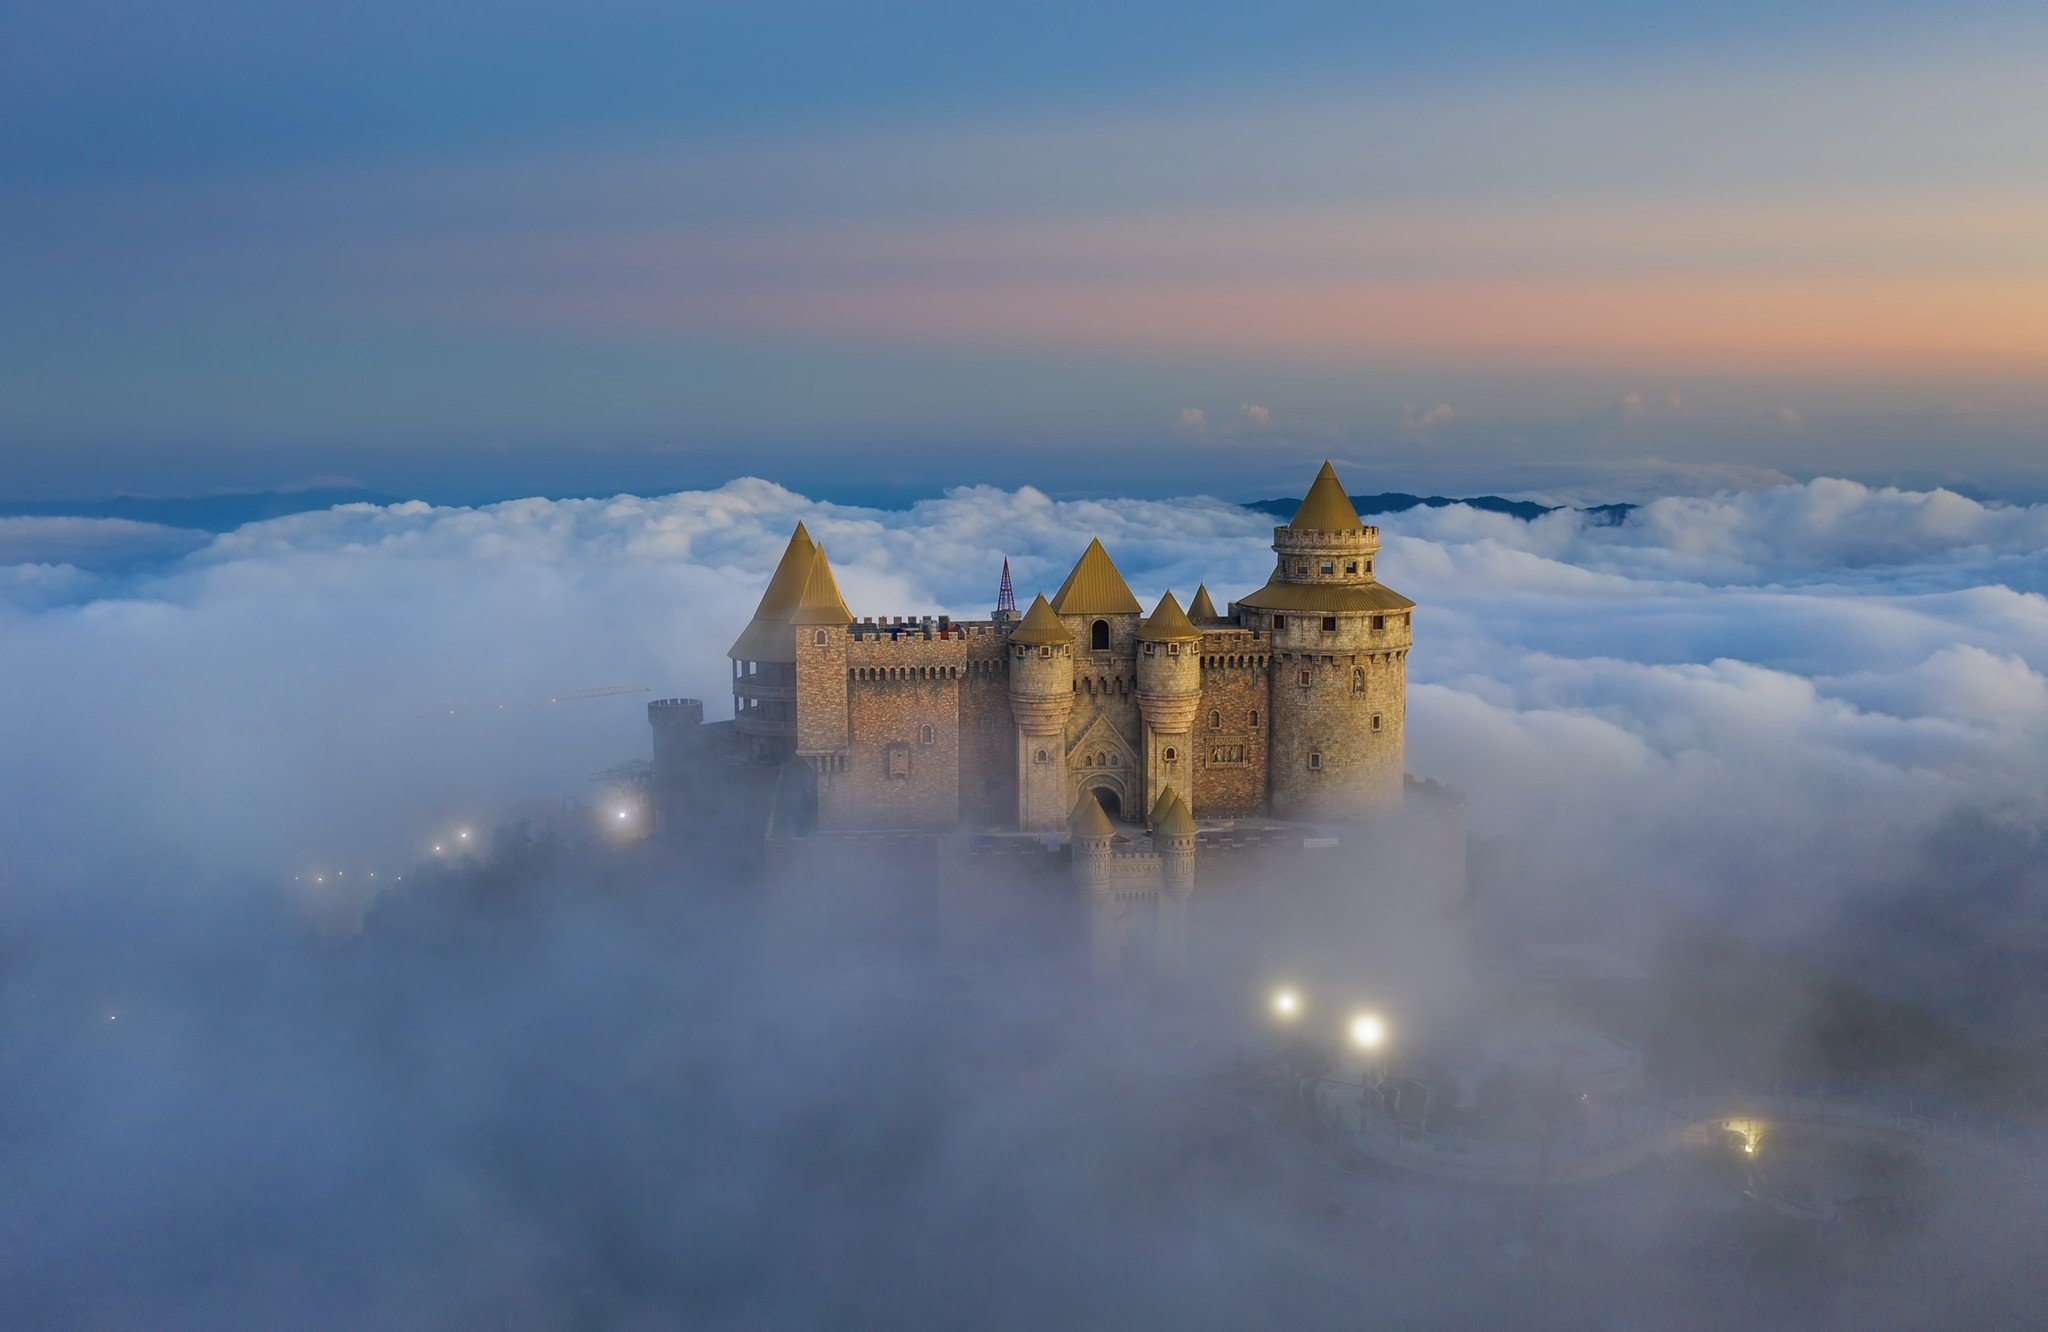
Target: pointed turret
{"type": "Point", "coordinates": [1201, 608]}
{"type": "Point", "coordinates": [1168, 623]}
{"type": "Point", "coordinates": [821, 602]}
{"type": "Point", "coordinates": [1326, 508]}
{"type": "Point", "coordinates": [1089, 819]}
{"type": "Point", "coordinates": [1095, 587]}
{"type": "Point", "coordinates": [1040, 627]}
{"type": "Point", "coordinates": [767, 637]}
{"type": "Point", "coordinates": [1170, 816]}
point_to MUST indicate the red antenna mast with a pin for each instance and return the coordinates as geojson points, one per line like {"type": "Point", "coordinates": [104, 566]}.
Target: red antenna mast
{"type": "Point", "coordinates": [1006, 596]}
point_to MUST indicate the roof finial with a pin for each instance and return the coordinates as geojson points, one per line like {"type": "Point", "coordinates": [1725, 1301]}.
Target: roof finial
{"type": "Point", "coordinates": [1006, 596]}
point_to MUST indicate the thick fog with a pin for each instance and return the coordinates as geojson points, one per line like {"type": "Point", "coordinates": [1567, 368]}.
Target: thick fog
{"type": "Point", "coordinates": [546, 1087]}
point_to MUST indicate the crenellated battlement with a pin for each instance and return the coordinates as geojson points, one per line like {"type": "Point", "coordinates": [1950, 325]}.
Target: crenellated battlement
{"type": "Point", "coordinates": [1296, 540]}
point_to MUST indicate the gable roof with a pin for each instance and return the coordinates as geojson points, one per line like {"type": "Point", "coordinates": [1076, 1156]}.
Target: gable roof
{"type": "Point", "coordinates": [1095, 587]}
{"type": "Point", "coordinates": [1326, 508]}
{"type": "Point", "coordinates": [1040, 627]}
{"type": "Point", "coordinates": [1168, 622]}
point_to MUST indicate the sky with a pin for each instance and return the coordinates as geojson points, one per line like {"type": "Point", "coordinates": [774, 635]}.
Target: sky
{"type": "Point", "coordinates": [1594, 251]}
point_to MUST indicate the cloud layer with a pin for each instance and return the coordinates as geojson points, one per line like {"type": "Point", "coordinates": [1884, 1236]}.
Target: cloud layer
{"type": "Point", "coordinates": [1760, 702]}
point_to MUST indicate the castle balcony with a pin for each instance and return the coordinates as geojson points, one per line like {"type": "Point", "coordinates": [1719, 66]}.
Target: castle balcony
{"type": "Point", "coordinates": [755, 687]}
{"type": "Point", "coordinates": [765, 723]}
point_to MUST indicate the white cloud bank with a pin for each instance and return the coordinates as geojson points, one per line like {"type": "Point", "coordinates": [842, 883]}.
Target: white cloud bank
{"type": "Point", "coordinates": [1767, 701]}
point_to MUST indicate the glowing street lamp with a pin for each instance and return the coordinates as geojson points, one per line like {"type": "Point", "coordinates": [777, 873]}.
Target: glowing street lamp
{"type": "Point", "coordinates": [1286, 1004]}
{"type": "Point", "coordinates": [1368, 1031]}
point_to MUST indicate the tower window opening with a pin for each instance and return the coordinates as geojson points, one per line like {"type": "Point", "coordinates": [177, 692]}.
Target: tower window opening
{"type": "Point", "coordinates": [1087, 760]}
{"type": "Point", "coordinates": [1368, 566]}
{"type": "Point", "coordinates": [1315, 760]}
{"type": "Point", "coordinates": [1329, 624]}
{"type": "Point", "coordinates": [819, 638]}
{"type": "Point", "coordinates": [1098, 637]}
{"type": "Point", "coordinates": [1171, 755]}
{"type": "Point", "coordinates": [1306, 679]}
{"type": "Point", "coordinates": [1279, 622]}
{"type": "Point", "coordinates": [1116, 760]}
{"type": "Point", "coordinates": [1375, 721]}
{"type": "Point", "coordinates": [1255, 719]}
{"type": "Point", "coordinates": [1044, 757]}
{"type": "Point", "coordinates": [1148, 649]}
{"type": "Point", "coordinates": [1045, 652]}
{"type": "Point", "coordinates": [1329, 566]}
{"type": "Point", "coordinates": [924, 734]}
{"type": "Point", "coordinates": [1173, 649]}
{"type": "Point", "coordinates": [1379, 624]}
{"type": "Point", "coordinates": [1351, 566]}
{"type": "Point", "coordinates": [1215, 720]}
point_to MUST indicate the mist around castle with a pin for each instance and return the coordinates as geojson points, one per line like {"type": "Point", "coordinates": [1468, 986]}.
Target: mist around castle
{"type": "Point", "coordinates": [1022, 912]}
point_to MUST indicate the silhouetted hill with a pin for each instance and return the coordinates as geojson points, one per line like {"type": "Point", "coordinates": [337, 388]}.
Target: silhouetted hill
{"type": "Point", "coordinates": [205, 513]}
{"type": "Point", "coordinates": [1394, 501]}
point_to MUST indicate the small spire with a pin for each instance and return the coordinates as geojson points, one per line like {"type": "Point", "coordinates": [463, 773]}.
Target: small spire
{"type": "Point", "coordinates": [1089, 819]}
{"type": "Point", "coordinates": [1201, 608]}
{"type": "Point", "coordinates": [1326, 508]}
{"type": "Point", "coordinates": [1170, 816]}
{"type": "Point", "coordinates": [1006, 596]}
{"type": "Point", "coordinates": [820, 602]}
{"type": "Point", "coordinates": [1040, 627]}
{"type": "Point", "coordinates": [1167, 623]}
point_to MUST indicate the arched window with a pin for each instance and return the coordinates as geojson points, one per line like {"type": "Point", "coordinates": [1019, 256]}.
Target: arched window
{"type": "Point", "coordinates": [1043, 756]}
{"type": "Point", "coordinates": [1170, 754]}
{"type": "Point", "coordinates": [1215, 720]}
{"type": "Point", "coordinates": [1116, 760]}
{"type": "Point", "coordinates": [1255, 719]}
{"type": "Point", "coordinates": [1098, 637]}
{"type": "Point", "coordinates": [819, 638]}
{"type": "Point", "coordinates": [1087, 760]}
{"type": "Point", "coordinates": [924, 734]}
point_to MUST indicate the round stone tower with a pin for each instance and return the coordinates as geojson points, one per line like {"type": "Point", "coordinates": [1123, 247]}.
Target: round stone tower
{"type": "Point", "coordinates": [1169, 692]}
{"type": "Point", "coordinates": [1339, 672]}
{"type": "Point", "coordinates": [1041, 698]}
{"type": "Point", "coordinates": [1173, 833]}
{"type": "Point", "coordinates": [1090, 837]}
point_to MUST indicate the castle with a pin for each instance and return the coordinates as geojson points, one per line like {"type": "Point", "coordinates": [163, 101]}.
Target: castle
{"type": "Point", "coordinates": [1084, 714]}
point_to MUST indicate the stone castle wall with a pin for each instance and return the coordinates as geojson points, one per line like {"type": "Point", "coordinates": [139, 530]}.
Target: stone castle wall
{"type": "Point", "coordinates": [1233, 724]}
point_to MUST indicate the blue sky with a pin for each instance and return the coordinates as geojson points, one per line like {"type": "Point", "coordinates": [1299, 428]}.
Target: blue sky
{"type": "Point", "coordinates": [1591, 250]}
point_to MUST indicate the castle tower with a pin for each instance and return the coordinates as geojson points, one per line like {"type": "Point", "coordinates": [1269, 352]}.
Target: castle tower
{"type": "Point", "coordinates": [1169, 691]}
{"type": "Point", "coordinates": [1090, 834]}
{"type": "Point", "coordinates": [1041, 699]}
{"type": "Point", "coordinates": [764, 657]}
{"type": "Point", "coordinates": [1173, 832]}
{"type": "Point", "coordinates": [1105, 754]}
{"type": "Point", "coordinates": [1340, 642]}
{"type": "Point", "coordinates": [1006, 598]}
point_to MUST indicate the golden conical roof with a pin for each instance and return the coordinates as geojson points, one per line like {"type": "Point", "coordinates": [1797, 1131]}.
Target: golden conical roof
{"type": "Point", "coordinates": [1088, 818]}
{"type": "Point", "coordinates": [1201, 608]}
{"type": "Point", "coordinates": [1168, 622]}
{"type": "Point", "coordinates": [1040, 627]}
{"type": "Point", "coordinates": [821, 602]}
{"type": "Point", "coordinates": [1326, 508]}
{"type": "Point", "coordinates": [766, 638]}
{"type": "Point", "coordinates": [1095, 587]}
{"type": "Point", "coordinates": [1170, 817]}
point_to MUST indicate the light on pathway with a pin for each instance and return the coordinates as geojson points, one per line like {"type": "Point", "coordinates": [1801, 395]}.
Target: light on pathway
{"type": "Point", "coordinates": [1286, 1003]}
{"type": "Point", "coordinates": [1368, 1032]}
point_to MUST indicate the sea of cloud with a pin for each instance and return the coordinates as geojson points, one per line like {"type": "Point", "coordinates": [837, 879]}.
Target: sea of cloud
{"type": "Point", "coordinates": [1820, 711]}
{"type": "Point", "coordinates": [1766, 705]}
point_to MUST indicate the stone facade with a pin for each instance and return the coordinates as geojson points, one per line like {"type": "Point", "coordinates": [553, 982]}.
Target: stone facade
{"type": "Point", "coordinates": [1292, 705]}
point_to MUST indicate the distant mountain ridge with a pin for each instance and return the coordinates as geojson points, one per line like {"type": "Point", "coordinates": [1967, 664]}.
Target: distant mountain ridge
{"type": "Point", "coordinates": [1394, 501]}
